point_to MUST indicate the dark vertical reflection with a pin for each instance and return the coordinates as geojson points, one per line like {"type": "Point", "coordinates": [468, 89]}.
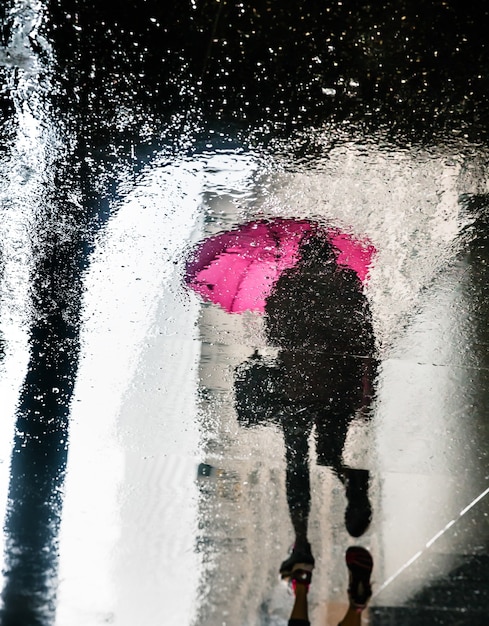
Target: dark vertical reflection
{"type": "Point", "coordinates": [37, 473]}
{"type": "Point", "coordinates": [41, 437]}
{"type": "Point", "coordinates": [63, 242]}
{"type": "Point", "coordinates": [61, 235]}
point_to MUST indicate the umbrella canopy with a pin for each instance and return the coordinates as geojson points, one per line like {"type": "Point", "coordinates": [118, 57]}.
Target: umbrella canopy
{"type": "Point", "coordinates": [238, 269]}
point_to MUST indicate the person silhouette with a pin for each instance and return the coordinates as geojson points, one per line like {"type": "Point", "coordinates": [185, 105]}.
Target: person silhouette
{"type": "Point", "coordinates": [318, 316]}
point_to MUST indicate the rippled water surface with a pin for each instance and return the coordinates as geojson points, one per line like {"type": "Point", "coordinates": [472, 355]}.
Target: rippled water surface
{"type": "Point", "coordinates": [131, 488]}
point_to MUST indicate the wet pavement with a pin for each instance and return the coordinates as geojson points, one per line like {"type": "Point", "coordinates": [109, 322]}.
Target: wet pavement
{"type": "Point", "coordinates": [139, 482]}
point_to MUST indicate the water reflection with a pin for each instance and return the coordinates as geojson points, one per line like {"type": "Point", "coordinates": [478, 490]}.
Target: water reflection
{"type": "Point", "coordinates": [37, 474]}
{"type": "Point", "coordinates": [318, 317]}
{"type": "Point", "coordinates": [126, 77]}
{"type": "Point", "coordinates": [44, 249]}
{"type": "Point", "coordinates": [412, 287]}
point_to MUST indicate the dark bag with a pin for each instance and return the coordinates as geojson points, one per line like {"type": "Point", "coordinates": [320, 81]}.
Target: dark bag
{"type": "Point", "coordinates": [258, 395]}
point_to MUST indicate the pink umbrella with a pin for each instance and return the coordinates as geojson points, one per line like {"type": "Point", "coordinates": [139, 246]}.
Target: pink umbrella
{"type": "Point", "coordinates": [237, 269]}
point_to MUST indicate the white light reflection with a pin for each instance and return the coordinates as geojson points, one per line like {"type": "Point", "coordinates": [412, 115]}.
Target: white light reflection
{"type": "Point", "coordinates": [128, 528]}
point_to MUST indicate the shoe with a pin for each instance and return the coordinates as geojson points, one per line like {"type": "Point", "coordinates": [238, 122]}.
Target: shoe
{"type": "Point", "coordinates": [297, 559]}
{"type": "Point", "coordinates": [358, 514]}
{"type": "Point", "coordinates": [301, 576]}
{"type": "Point", "coordinates": [360, 564]}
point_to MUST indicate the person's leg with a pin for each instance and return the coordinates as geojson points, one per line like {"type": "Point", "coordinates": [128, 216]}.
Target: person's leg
{"type": "Point", "coordinates": [331, 430]}
{"type": "Point", "coordinates": [360, 563]}
{"type": "Point", "coordinates": [332, 425]}
{"type": "Point", "coordinates": [300, 580]}
{"type": "Point", "coordinates": [297, 427]}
